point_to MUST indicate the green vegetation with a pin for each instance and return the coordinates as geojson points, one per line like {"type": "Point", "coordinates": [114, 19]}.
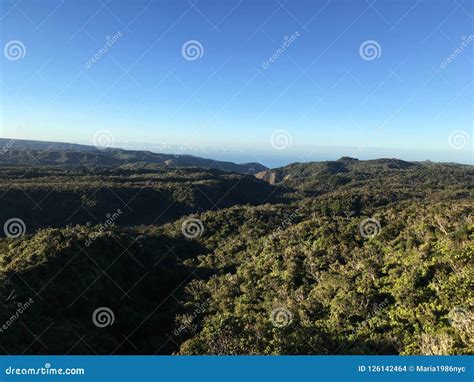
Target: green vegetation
{"type": "Point", "coordinates": [343, 257]}
{"type": "Point", "coordinates": [51, 197]}
{"type": "Point", "coordinates": [67, 155]}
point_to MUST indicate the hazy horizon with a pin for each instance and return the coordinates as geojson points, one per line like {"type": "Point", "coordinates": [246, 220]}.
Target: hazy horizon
{"type": "Point", "coordinates": [269, 158]}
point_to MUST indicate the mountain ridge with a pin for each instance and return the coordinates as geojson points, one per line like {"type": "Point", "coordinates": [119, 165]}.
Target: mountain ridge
{"type": "Point", "coordinates": [30, 152]}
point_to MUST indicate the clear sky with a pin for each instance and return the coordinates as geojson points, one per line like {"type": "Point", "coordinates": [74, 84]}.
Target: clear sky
{"type": "Point", "coordinates": [274, 81]}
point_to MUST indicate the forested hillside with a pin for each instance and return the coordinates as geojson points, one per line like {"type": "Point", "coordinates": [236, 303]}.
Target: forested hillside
{"type": "Point", "coordinates": [51, 197]}
{"type": "Point", "coordinates": [68, 155]}
{"type": "Point", "coordinates": [341, 257]}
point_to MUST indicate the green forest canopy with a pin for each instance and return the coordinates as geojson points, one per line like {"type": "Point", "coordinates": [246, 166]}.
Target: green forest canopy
{"type": "Point", "coordinates": [342, 257]}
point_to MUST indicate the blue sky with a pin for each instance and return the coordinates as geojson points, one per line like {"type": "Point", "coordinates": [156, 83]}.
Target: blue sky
{"type": "Point", "coordinates": [323, 94]}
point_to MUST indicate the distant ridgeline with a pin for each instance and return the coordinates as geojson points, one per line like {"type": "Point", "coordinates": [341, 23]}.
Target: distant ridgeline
{"type": "Point", "coordinates": [27, 153]}
{"type": "Point", "coordinates": [336, 257]}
